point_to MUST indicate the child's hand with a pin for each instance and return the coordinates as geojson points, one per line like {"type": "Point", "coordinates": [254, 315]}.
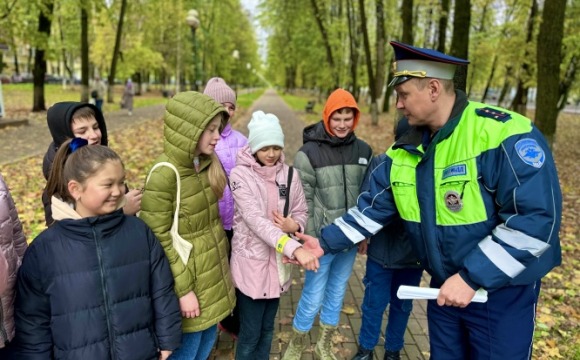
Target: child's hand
{"type": "Point", "coordinates": [286, 224]}
{"type": "Point", "coordinates": [189, 305]}
{"type": "Point", "coordinates": [311, 244]}
{"type": "Point", "coordinates": [165, 354]}
{"type": "Point", "coordinates": [133, 204]}
{"type": "Point", "coordinates": [306, 259]}
{"type": "Point", "coordinates": [362, 247]}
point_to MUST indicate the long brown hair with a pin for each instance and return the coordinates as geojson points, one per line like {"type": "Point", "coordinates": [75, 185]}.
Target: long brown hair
{"type": "Point", "coordinates": [78, 165]}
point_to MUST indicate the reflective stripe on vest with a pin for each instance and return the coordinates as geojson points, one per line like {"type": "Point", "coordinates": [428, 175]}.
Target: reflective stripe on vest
{"type": "Point", "coordinates": [458, 198]}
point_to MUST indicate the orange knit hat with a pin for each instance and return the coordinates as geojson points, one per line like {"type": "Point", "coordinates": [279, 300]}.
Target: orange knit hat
{"type": "Point", "coordinates": [339, 99]}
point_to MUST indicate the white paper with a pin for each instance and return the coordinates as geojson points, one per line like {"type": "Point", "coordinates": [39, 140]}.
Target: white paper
{"type": "Point", "coordinates": [415, 292]}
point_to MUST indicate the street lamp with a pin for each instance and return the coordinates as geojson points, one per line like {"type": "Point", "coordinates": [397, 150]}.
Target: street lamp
{"type": "Point", "coordinates": [192, 20]}
{"type": "Point", "coordinates": [236, 56]}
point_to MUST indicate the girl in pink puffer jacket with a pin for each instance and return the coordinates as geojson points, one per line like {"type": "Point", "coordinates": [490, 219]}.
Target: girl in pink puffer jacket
{"type": "Point", "coordinates": [259, 185]}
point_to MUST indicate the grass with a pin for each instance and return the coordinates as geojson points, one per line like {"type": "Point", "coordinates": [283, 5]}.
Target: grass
{"type": "Point", "coordinates": [298, 103]}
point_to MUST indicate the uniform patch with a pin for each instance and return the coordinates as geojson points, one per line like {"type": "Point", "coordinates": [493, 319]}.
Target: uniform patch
{"type": "Point", "coordinates": [453, 201]}
{"type": "Point", "coordinates": [455, 170]}
{"type": "Point", "coordinates": [363, 161]}
{"type": "Point", "coordinates": [493, 113]}
{"type": "Point", "coordinates": [530, 152]}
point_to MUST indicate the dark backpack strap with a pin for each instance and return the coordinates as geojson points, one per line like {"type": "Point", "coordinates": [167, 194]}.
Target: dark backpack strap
{"type": "Point", "coordinates": [287, 204]}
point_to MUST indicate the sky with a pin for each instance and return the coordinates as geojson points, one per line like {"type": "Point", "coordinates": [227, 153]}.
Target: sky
{"type": "Point", "coordinates": [252, 6]}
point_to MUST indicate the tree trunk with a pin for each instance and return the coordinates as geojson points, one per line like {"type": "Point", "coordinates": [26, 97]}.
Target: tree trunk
{"type": "Point", "coordinates": [84, 51]}
{"type": "Point", "coordinates": [39, 71]}
{"type": "Point", "coordinates": [380, 49]}
{"type": "Point", "coordinates": [369, 60]}
{"type": "Point", "coordinates": [460, 40]}
{"type": "Point", "coordinates": [354, 45]}
{"type": "Point", "coordinates": [443, 25]}
{"type": "Point", "coordinates": [549, 57]}
{"type": "Point", "coordinates": [490, 78]}
{"type": "Point", "coordinates": [520, 100]}
{"type": "Point", "coordinates": [407, 19]}
{"type": "Point", "coordinates": [116, 51]}
{"type": "Point", "coordinates": [326, 42]}
{"type": "Point", "coordinates": [506, 86]}
{"type": "Point", "coordinates": [567, 82]}
{"type": "Point", "coordinates": [67, 68]}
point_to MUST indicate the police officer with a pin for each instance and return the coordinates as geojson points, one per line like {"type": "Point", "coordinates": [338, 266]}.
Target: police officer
{"type": "Point", "coordinates": [477, 189]}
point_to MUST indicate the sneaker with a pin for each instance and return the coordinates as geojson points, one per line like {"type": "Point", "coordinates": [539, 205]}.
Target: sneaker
{"type": "Point", "coordinates": [224, 330]}
{"type": "Point", "coordinates": [363, 354]}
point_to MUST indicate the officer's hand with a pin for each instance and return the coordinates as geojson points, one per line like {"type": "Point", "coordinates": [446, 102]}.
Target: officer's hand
{"type": "Point", "coordinates": [455, 292]}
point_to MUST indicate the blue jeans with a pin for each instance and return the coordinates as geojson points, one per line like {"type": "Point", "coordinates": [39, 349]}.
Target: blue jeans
{"type": "Point", "coordinates": [256, 327]}
{"type": "Point", "coordinates": [324, 290]}
{"type": "Point", "coordinates": [381, 287]}
{"type": "Point", "coordinates": [196, 345]}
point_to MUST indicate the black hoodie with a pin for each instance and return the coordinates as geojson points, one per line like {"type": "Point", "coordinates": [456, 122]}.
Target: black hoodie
{"type": "Point", "coordinates": [59, 119]}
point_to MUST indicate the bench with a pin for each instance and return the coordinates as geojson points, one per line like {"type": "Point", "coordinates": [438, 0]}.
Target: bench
{"type": "Point", "coordinates": [309, 108]}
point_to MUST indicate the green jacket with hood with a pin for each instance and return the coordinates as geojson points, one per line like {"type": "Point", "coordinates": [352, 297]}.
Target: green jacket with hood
{"type": "Point", "coordinates": [207, 271]}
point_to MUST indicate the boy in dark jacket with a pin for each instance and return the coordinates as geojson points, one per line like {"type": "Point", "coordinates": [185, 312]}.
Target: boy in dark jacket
{"type": "Point", "coordinates": [72, 119]}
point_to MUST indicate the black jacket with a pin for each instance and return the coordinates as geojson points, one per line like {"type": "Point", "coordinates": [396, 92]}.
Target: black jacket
{"type": "Point", "coordinates": [96, 288]}
{"type": "Point", "coordinates": [390, 247]}
{"type": "Point", "coordinates": [59, 119]}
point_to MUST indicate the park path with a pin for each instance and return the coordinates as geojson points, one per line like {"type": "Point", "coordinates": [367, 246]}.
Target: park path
{"type": "Point", "coordinates": [21, 142]}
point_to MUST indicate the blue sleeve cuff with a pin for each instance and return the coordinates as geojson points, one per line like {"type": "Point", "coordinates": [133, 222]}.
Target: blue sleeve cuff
{"type": "Point", "coordinates": [469, 282]}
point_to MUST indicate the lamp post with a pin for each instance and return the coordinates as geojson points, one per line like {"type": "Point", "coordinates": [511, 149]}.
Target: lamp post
{"type": "Point", "coordinates": [236, 56]}
{"type": "Point", "coordinates": [193, 21]}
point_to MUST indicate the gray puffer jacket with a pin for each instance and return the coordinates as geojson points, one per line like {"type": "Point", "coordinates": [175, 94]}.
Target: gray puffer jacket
{"type": "Point", "coordinates": [332, 170]}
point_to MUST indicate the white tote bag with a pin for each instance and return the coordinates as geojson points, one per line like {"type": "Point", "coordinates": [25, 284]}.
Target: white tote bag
{"type": "Point", "coordinates": [182, 246]}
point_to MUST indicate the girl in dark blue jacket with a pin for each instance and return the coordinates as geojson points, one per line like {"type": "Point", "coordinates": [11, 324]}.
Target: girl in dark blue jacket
{"type": "Point", "coordinates": [96, 284]}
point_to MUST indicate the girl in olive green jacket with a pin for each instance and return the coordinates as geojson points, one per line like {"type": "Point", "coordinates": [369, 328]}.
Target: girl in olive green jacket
{"type": "Point", "coordinates": [192, 126]}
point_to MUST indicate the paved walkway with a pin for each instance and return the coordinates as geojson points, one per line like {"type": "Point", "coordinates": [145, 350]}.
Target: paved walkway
{"type": "Point", "coordinates": [33, 139]}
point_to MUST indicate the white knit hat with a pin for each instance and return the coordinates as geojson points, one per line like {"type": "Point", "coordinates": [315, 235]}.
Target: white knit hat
{"type": "Point", "coordinates": [217, 88]}
{"type": "Point", "coordinates": [265, 130]}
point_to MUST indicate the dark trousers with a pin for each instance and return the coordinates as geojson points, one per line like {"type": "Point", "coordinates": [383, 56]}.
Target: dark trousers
{"type": "Point", "coordinates": [256, 327]}
{"type": "Point", "coordinates": [501, 328]}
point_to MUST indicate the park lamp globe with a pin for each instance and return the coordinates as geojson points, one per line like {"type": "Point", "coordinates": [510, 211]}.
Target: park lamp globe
{"type": "Point", "coordinates": [192, 19]}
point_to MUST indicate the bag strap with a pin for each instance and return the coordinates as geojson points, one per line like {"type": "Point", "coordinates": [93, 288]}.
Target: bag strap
{"type": "Point", "coordinates": [287, 204]}
{"type": "Point", "coordinates": [171, 166]}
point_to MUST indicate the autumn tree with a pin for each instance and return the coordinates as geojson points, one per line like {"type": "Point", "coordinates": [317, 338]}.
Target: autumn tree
{"type": "Point", "coordinates": [549, 58]}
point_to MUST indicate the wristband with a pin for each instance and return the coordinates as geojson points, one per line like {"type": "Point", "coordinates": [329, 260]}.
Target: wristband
{"type": "Point", "coordinates": [281, 243]}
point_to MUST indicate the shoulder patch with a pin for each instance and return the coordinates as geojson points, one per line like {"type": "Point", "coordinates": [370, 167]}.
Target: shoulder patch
{"type": "Point", "coordinates": [493, 114]}
{"type": "Point", "coordinates": [530, 152]}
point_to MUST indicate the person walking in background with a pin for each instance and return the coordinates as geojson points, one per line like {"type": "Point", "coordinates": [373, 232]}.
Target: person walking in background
{"type": "Point", "coordinates": [227, 148]}
{"type": "Point", "coordinates": [96, 284]}
{"type": "Point", "coordinates": [332, 163]}
{"type": "Point", "coordinates": [391, 263]}
{"type": "Point", "coordinates": [203, 283]}
{"type": "Point", "coordinates": [98, 92]}
{"type": "Point", "coordinates": [70, 119]}
{"type": "Point", "coordinates": [12, 248]}
{"type": "Point", "coordinates": [128, 94]}
{"type": "Point", "coordinates": [263, 189]}
{"type": "Point", "coordinates": [478, 191]}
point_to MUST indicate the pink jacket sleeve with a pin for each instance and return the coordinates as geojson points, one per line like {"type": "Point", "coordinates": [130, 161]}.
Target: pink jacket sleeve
{"type": "Point", "coordinates": [3, 273]}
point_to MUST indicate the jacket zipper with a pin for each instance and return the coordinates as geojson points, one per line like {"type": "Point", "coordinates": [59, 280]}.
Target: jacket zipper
{"type": "Point", "coordinates": [105, 295]}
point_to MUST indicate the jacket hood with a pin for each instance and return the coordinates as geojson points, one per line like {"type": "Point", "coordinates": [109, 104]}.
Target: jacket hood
{"type": "Point", "coordinates": [186, 116]}
{"type": "Point", "coordinates": [318, 133]}
{"type": "Point", "coordinates": [339, 99]}
{"type": "Point", "coordinates": [245, 158]}
{"type": "Point", "coordinates": [59, 119]}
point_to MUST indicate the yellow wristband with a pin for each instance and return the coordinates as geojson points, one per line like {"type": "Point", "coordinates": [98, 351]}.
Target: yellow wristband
{"type": "Point", "coordinates": [281, 243]}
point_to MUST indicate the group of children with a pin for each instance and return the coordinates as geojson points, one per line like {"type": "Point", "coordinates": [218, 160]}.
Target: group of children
{"type": "Point", "coordinates": [208, 243]}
